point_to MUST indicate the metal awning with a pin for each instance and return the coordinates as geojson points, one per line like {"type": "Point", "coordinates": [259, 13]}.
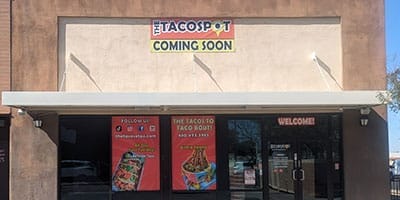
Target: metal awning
{"type": "Point", "coordinates": [89, 102]}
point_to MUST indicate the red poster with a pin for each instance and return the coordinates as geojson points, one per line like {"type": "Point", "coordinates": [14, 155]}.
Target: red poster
{"type": "Point", "coordinates": [193, 153]}
{"type": "Point", "coordinates": [135, 153]}
{"type": "Point", "coordinates": [192, 28]}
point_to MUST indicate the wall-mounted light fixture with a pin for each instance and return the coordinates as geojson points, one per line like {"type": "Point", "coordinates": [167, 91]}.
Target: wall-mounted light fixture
{"type": "Point", "coordinates": [364, 112]}
{"type": "Point", "coordinates": [21, 111]}
{"type": "Point", "coordinates": [37, 123]}
{"type": "Point", "coordinates": [164, 108]}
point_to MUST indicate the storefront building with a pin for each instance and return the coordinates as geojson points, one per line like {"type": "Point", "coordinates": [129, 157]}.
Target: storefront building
{"type": "Point", "coordinates": [274, 100]}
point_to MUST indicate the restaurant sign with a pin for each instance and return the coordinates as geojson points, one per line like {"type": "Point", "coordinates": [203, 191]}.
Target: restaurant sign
{"type": "Point", "coordinates": [192, 35]}
{"type": "Point", "coordinates": [296, 121]}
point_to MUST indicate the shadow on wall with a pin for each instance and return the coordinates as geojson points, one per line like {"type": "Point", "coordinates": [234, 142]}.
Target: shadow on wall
{"type": "Point", "coordinates": [84, 69]}
{"type": "Point", "coordinates": [365, 153]}
{"type": "Point", "coordinates": [206, 69]}
{"type": "Point", "coordinates": [50, 126]}
{"type": "Point", "coordinates": [327, 69]}
{"type": "Point", "coordinates": [49, 123]}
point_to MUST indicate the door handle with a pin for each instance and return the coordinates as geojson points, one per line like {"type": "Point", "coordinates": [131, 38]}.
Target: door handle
{"type": "Point", "coordinates": [302, 175]}
{"type": "Point", "coordinates": [295, 177]}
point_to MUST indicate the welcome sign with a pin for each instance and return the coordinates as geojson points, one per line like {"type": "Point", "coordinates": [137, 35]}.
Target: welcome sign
{"type": "Point", "coordinates": [192, 35]}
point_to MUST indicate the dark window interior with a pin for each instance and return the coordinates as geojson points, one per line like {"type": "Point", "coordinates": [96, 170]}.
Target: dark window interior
{"type": "Point", "coordinates": [243, 150]}
{"type": "Point", "coordinates": [84, 158]}
{"type": "Point", "coordinates": [4, 156]}
{"type": "Point", "coordinates": [245, 158]}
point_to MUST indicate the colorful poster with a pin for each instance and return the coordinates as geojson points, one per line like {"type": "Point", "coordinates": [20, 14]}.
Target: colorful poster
{"type": "Point", "coordinates": [193, 153]}
{"type": "Point", "coordinates": [135, 153]}
{"type": "Point", "coordinates": [192, 35]}
{"type": "Point", "coordinates": [250, 177]}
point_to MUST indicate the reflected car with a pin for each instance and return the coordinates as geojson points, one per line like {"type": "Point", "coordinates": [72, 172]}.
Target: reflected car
{"type": "Point", "coordinates": [78, 168]}
{"type": "Point", "coordinates": [395, 168]}
{"type": "Point", "coordinates": [238, 167]}
{"type": "Point", "coordinates": [391, 171]}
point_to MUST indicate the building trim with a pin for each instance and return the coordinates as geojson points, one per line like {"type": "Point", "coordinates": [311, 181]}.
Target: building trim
{"type": "Point", "coordinates": [61, 101]}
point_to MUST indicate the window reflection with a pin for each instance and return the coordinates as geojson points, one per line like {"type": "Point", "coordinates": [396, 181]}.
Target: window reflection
{"type": "Point", "coordinates": [85, 158]}
{"type": "Point", "coordinates": [245, 169]}
{"type": "Point", "coordinates": [314, 163]}
{"type": "Point", "coordinates": [337, 160]}
{"type": "Point", "coordinates": [318, 158]}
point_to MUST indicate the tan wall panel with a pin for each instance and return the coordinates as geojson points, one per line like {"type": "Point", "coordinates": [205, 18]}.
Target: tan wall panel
{"type": "Point", "coordinates": [113, 55]}
{"type": "Point", "coordinates": [5, 61]}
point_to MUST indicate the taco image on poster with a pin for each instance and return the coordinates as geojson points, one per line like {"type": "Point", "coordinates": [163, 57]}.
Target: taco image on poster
{"type": "Point", "coordinates": [197, 172]}
{"type": "Point", "coordinates": [128, 172]}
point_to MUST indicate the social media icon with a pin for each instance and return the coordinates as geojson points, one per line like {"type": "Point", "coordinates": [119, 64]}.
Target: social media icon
{"type": "Point", "coordinates": [141, 128]}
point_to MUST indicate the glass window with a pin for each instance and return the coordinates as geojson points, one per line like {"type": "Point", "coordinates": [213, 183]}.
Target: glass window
{"type": "Point", "coordinates": [337, 175]}
{"type": "Point", "coordinates": [245, 160]}
{"type": "Point", "coordinates": [85, 158]}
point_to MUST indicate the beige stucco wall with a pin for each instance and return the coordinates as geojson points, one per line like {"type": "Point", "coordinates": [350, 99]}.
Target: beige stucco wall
{"type": "Point", "coordinates": [272, 54]}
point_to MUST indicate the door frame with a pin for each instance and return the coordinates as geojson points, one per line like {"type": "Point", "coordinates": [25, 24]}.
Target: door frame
{"type": "Point", "coordinates": [223, 183]}
{"type": "Point", "coordinates": [327, 140]}
{"type": "Point", "coordinates": [5, 156]}
{"type": "Point", "coordinates": [296, 166]}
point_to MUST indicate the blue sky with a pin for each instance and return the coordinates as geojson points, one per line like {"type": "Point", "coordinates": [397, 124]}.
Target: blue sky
{"type": "Point", "coordinates": [393, 56]}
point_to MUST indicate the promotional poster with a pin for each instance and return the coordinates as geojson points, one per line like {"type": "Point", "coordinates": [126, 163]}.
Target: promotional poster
{"type": "Point", "coordinates": [180, 35]}
{"type": "Point", "coordinates": [193, 153]}
{"type": "Point", "coordinates": [135, 153]}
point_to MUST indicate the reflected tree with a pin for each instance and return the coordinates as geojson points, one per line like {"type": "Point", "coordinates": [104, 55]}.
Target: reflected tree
{"type": "Point", "coordinates": [393, 85]}
{"type": "Point", "coordinates": [245, 136]}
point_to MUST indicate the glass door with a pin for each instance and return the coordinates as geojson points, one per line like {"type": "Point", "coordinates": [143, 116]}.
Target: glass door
{"type": "Point", "coordinates": [282, 166]}
{"type": "Point", "coordinates": [301, 161]}
{"type": "Point", "coordinates": [293, 157]}
{"type": "Point", "coordinates": [297, 170]}
{"type": "Point", "coordinates": [312, 170]}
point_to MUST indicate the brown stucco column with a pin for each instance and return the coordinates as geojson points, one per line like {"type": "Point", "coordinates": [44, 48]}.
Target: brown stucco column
{"type": "Point", "coordinates": [33, 164]}
{"type": "Point", "coordinates": [364, 151]}
{"type": "Point", "coordinates": [33, 158]}
{"type": "Point", "coordinates": [5, 50]}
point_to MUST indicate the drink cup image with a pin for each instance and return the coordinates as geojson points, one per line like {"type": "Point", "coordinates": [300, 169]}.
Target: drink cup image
{"type": "Point", "coordinates": [128, 172]}
{"type": "Point", "coordinates": [197, 172]}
